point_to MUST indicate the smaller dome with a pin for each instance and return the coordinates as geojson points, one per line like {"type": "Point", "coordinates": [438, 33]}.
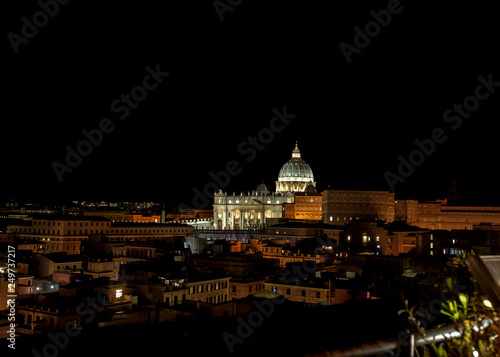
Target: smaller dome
{"type": "Point", "coordinates": [262, 189]}
{"type": "Point", "coordinates": [310, 189]}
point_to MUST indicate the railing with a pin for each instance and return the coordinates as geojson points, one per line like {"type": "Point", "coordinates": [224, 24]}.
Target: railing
{"type": "Point", "coordinates": [382, 347]}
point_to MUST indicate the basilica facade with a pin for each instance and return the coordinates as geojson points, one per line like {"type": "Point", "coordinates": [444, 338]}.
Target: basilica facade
{"type": "Point", "coordinates": [253, 209]}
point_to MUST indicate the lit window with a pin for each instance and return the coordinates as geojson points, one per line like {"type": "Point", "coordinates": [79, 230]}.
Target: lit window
{"type": "Point", "coordinates": [432, 245]}
{"type": "Point", "coordinates": [378, 238]}
{"type": "Point", "coordinates": [119, 293]}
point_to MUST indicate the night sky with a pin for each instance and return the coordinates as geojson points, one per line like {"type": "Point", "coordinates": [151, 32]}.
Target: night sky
{"type": "Point", "coordinates": [226, 79]}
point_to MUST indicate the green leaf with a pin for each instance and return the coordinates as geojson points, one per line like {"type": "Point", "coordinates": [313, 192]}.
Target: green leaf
{"type": "Point", "coordinates": [464, 299]}
{"type": "Point", "coordinates": [450, 306]}
{"type": "Point", "coordinates": [444, 312]}
{"type": "Point", "coordinates": [449, 283]}
{"type": "Point", "coordinates": [442, 352]}
{"type": "Point", "coordinates": [421, 314]}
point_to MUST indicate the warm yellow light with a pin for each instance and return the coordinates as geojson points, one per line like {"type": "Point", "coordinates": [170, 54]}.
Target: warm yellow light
{"type": "Point", "coordinates": [487, 303]}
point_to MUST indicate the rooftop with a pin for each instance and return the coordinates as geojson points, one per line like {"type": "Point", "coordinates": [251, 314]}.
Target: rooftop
{"type": "Point", "coordinates": [68, 217]}
{"type": "Point", "coordinates": [399, 226]}
{"type": "Point", "coordinates": [147, 224]}
{"type": "Point", "coordinates": [63, 257]}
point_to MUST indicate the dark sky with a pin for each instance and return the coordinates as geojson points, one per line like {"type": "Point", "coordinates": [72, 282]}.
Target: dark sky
{"type": "Point", "coordinates": [352, 120]}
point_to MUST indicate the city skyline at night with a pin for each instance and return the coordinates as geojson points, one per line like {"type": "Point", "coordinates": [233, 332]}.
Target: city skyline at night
{"type": "Point", "coordinates": [241, 178]}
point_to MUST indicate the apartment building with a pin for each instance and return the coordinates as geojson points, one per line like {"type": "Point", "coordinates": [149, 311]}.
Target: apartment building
{"type": "Point", "coordinates": [305, 294]}
{"type": "Point", "coordinates": [65, 233]}
{"type": "Point", "coordinates": [341, 206]}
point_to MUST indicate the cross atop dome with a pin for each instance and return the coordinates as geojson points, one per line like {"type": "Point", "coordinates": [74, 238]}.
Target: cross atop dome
{"type": "Point", "coordinates": [296, 151]}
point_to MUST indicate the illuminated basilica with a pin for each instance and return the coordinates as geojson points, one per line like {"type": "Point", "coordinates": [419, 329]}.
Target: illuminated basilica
{"type": "Point", "coordinates": [252, 208]}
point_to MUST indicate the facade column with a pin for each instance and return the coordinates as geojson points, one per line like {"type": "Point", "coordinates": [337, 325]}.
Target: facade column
{"type": "Point", "coordinates": [224, 219]}
{"type": "Point", "coordinates": [232, 219]}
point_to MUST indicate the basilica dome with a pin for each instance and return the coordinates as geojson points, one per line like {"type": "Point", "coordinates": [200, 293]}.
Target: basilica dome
{"type": "Point", "coordinates": [295, 175]}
